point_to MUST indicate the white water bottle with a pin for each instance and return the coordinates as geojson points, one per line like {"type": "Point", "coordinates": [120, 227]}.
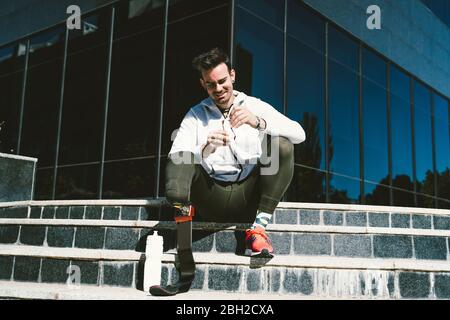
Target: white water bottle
{"type": "Point", "coordinates": [153, 256]}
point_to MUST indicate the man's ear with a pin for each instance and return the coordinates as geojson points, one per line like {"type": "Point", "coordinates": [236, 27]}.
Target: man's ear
{"type": "Point", "coordinates": [233, 75]}
{"type": "Point", "coordinates": [202, 83]}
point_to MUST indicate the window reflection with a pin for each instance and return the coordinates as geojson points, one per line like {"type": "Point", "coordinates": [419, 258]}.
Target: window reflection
{"type": "Point", "coordinates": [399, 83]}
{"type": "Point", "coordinates": [308, 184]}
{"type": "Point", "coordinates": [42, 99]}
{"type": "Point", "coordinates": [401, 143]}
{"type": "Point", "coordinates": [400, 197]}
{"type": "Point", "coordinates": [344, 131]}
{"type": "Point", "coordinates": [270, 10]}
{"type": "Point", "coordinates": [129, 179]}
{"type": "Point", "coordinates": [133, 114]}
{"type": "Point", "coordinates": [43, 184]}
{"type": "Point", "coordinates": [135, 17]}
{"type": "Point", "coordinates": [259, 55]}
{"type": "Point", "coordinates": [423, 143]}
{"type": "Point", "coordinates": [373, 67]}
{"type": "Point", "coordinates": [342, 49]}
{"type": "Point", "coordinates": [377, 194]}
{"type": "Point", "coordinates": [12, 63]}
{"type": "Point", "coordinates": [343, 126]}
{"type": "Point", "coordinates": [375, 138]}
{"type": "Point", "coordinates": [442, 143]}
{"type": "Point", "coordinates": [181, 9]}
{"type": "Point", "coordinates": [344, 189]}
{"type": "Point", "coordinates": [77, 182]}
{"type": "Point", "coordinates": [305, 26]}
{"type": "Point", "coordinates": [305, 101]}
{"type": "Point", "coordinates": [305, 104]}
{"type": "Point", "coordinates": [84, 94]}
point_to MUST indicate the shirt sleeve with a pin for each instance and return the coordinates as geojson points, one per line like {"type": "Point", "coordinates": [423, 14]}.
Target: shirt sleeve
{"type": "Point", "coordinates": [277, 124]}
{"type": "Point", "coordinates": [186, 137]}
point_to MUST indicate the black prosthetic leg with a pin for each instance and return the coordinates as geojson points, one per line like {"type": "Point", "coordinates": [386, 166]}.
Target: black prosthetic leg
{"type": "Point", "coordinates": [185, 260]}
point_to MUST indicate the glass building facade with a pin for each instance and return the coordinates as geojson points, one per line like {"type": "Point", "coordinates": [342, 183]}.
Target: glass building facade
{"type": "Point", "coordinates": [98, 106]}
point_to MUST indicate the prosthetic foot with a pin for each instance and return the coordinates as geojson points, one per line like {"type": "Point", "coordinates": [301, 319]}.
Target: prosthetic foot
{"type": "Point", "coordinates": [185, 261]}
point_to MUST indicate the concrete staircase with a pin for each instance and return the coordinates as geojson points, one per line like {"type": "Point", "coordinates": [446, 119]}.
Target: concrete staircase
{"type": "Point", "coordinates": [93, 249]}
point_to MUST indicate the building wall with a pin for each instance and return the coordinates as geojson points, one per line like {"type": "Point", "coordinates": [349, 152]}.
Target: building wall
{"type": "Point", "coordinates": [29, 16]}
{"type": "Point", "coordinates": [411, 35]}
{"type": "Point", "coordinates": [375, 133]}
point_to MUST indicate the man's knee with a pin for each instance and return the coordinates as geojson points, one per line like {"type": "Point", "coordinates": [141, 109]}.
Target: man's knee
{"type": "Point", "coordinates": [285, 148]}
{"type": "Point", "coordinates": [177, 196]}
{"type": "Point", "coordinates": [179, 174]}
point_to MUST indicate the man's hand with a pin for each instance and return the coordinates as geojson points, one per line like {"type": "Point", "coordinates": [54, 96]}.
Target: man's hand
{"type": "Point", "coordinates": [241, 115]}
{"type": "Point", "coordinates": [217, 138]}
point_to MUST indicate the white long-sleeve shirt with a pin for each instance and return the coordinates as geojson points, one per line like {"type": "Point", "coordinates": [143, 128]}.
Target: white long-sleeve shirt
{"type": "Point", "coordinates": [235, 161]}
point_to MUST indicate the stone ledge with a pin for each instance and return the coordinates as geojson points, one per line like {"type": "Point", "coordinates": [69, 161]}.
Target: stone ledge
{"type": "Point", "coordinates": [17, 157]}
{"type": "Point", "coordinates": [210, 226]}
{"type": "Point", "coordinates": [281, 205]}
{"type": "Point", "coordinates": [30, 290]}
{"type": "Point", "coordinates": [226, 259]}
{"type": "Point", "coordinates": [359, 207]}
{"type": "Point", "coordinates": [122, 202]}
{"type": "Point", "coordinates": [17, 178]}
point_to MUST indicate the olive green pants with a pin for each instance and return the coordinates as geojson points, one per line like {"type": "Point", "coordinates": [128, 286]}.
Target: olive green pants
{"type": "Point", "coordinates": [218, 201]}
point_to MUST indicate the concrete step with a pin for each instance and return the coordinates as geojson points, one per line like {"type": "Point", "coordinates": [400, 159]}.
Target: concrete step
{"type": "Point", "coordinates": [303, 276]}
{"type": "Point", "coordinates": [322, 251]}
{"type": "Point", "coordinates": [51, 291]}
{"type": "Point", "coordinates": [338, 241]}
{"type": "Point", "coordinates": [286, 213]}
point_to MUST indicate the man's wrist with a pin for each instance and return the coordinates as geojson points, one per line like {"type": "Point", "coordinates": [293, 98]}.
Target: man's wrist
{"type": "Point", "coordinates": [261, 124]}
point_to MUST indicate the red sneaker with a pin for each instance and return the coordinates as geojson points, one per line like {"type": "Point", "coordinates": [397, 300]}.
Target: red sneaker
{"type": "Point", "coordinates": [257, 242]}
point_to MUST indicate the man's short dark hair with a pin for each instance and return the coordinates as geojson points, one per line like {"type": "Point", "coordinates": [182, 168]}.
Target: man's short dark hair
{"type": "Point", "coordinates": [210, 59]}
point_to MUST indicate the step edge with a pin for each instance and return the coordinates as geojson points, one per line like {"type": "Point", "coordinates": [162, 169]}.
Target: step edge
{"type": "Point", "coordinates": [17, 157]}
{"type": "Point", "coordinates": [155, 202]}
{"type": "Point", "coordinates": [207, 226]}
{"type": "Point", "coordinates": [32, 290]}
{"type": "Point", "coordinates": [298, 261]}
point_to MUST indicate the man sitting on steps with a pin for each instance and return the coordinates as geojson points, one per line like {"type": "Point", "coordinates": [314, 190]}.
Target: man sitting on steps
{"type": "Point", "coordinates": [233, 154]}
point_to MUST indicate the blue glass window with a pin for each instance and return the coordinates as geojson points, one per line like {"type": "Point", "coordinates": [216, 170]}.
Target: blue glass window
{"type": "Point", "coordinates": [374, 67]}
{"type": "Point", "coordinates": [402, 170]}
{"type": "Point", "coordinates": [344, 189]}
{"type": "Point", "coordinates": [375, 135]}
{"type": "Point", "coordinates": [423, 140]}
{"type": "Point", "coordinates": [401, 124]}
{"type": "Point", "coordinates": [344, 130]}
{"type": "Point", "coordinates": [270, 10]}
{"type": "Point", "coordinates": [305, 104]}
{"type": "Point", "coordinates": [305, 26]}
{"type": "Point", "coordinates": [259, 59]}
{"type": "Point", "coordinates": [442, 143]}
{"type": "Point", "coordinates": [377, 194]}
{"type": "Point", "coordinates": [342, 49]}
{"type": "Point", "coordinates": [306, 74]}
